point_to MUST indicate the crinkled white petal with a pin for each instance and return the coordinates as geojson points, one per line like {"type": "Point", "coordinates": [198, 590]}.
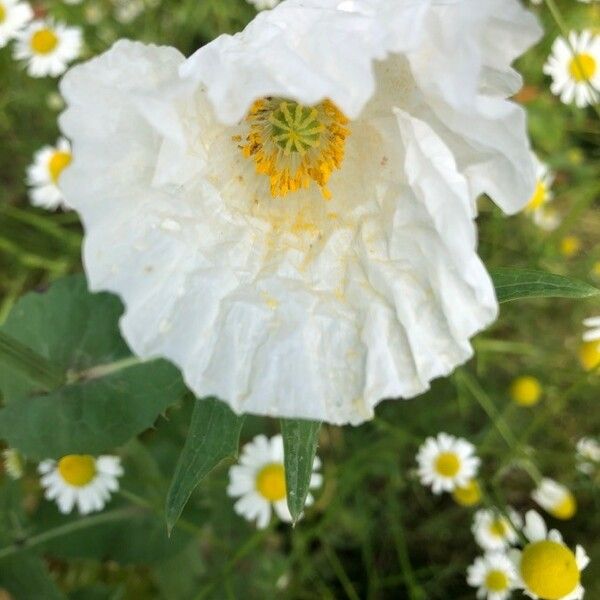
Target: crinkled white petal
{"type": "Point", "coordinates": [213, 271]}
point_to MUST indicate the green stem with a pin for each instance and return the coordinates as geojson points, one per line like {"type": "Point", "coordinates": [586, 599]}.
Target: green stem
{"type": "Point", "coordinates": [103, 370]}
{"type": "Point", "coordinates": [61, 530]}
{"type": "Point", "coordinates": [30, 363]}
{"type": "Point", "coordinates": [341, 573]}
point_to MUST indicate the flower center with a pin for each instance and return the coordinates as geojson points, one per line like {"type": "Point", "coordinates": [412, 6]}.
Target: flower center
{"type": "Point", "coordinates": [44, 41]}
{"type": "Point", "coordinates": [539, 196]}
{"type": "Point", "coordinates": [549, 569]}
{"type": "Point", "coordinates": [58, 163]}
{"type": "Point", "coordinates": [470, 495]}
{"type": "Point", "coordinates": [496, 581]}
{"type": "Point", "coordinates": [2, 13]}
{"type": "Point", "coordinates": [294, 144]}
{"type": "Point", "coordinates": [447, 464]}
{"type": "Point", "coordinates": [498, 528]}
{"type": "Point", "coordinates": [582, 67]}
{"type": "Point", "coordinates": [77, 469]}
{"type": "Point", "coordinates": [566, 508]}
{"type": "Point", "coordinates": [270, 482]}
{"type": "Point", "coordinates": [589, 354]}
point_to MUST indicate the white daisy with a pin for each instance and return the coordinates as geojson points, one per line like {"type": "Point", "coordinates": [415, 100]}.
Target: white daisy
{"type": "Point", "coordinates": [259, 481]}
{"type": "Point", "coordinates": [446, 462]}
{"type": "Point", "coordinates": [575, 68]}
{"type": "Point", "coordinates": [44, 174]}
{"type": "Point", "coordinates": [543, 216]}
{"type": "Point", "coordinates": [555, 499]}
{"type": "Point", "coordinates": [494, 574]}
{"type": "Point", "coordinates": [48, 47]}
{"type": "Point", "coordinates": [588, 455]}
{"type": "Point", "coordinates": [13, 463]}
{"type": "Point", "coordinates": [589, 353]}
{"type": "Point", "coordinates": [547, 568]}
{"type": "Point", "coordinates": [81, 480]}
{"type": "Point", "coordinates": [494, 531]}
{"type": "Point", "coordinates": [263, 4]}
{"type": "Point", "coordinates": [289, 215]}
{"type": "Point", "coordinates": [14, 15]}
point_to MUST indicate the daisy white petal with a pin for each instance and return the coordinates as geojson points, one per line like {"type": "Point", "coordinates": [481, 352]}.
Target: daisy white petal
{"type": "Point", "coordinates": [14, 15]}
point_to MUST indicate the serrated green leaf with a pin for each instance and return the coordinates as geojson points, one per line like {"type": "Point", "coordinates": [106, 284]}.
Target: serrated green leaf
{"type": "Point", "coordinates": [213, 435]}
{"type": "Point", "coordinates": [514, 284]}
{"type": "Point", "coordinates": [300, 447]}
{"type": "Point", "coordinates": [109, 396]}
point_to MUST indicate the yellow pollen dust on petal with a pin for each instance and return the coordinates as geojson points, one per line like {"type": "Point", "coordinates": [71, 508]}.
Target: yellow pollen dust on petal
{"type": "Point", "coordinates": [77, 469]}
{"type": "Point", "coordinates": [565, 509]}
{"type": "Point", "coordinates": [582, 67]}
{"type": "Point", "coordinates": [469, 495]}
{"type": "Point", "coordinates": [44, 41]}
{"type": "Point", "coordinates": [496, 581]}
{"type": "Point", "coordinates": [295, 145]}
{"type": "Point", "coordinates": [59, 161]}
{"type": "Point", "coordinates": [549, 569]}
{"type": "Point", "coordinates": [447, 464]}
{"type": "Point", "coordinates": [270, 482]}
{"type": "Point", "coordinates": [539, 196]}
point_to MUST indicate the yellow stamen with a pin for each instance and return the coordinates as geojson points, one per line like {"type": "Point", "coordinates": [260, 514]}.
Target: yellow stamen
{"type": "Point", "coordinates": [295, 145]}
{"type": "Point", "coordinates": [447, 464]}
{"type": "Point", "coordinates": [44, 41]}
{"type": "Point", "coordinates": [58, 163]}
{"type": "Point", "coordinates": [270, 482]}
{"type": "Point", "coordinates": [582, 67]}
{"type": "Point", "coordinates": [549, 569]}
{"type": "Point", "coordinates": [470, 495]}
{"type": "Point", "coordinates": [77, 469]}
{"type": "Point", "coordinates": [496, 581]}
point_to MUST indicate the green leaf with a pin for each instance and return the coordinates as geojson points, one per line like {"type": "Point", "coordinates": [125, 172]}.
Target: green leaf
{"type": "Point", "coordinates": [300, 447]}
{"type": "Point", "coordinates": [514, 284]}
{"type": "Point", "coordinates": [25, 577]}
{"type": "Point", "coordinates": [213, 435]}
{"type": "Point", "coordinates": [109, 396]}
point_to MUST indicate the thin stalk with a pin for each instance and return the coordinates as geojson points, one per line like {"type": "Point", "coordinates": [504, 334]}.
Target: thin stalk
{"type": "Point", "coordinates": [30, 363]}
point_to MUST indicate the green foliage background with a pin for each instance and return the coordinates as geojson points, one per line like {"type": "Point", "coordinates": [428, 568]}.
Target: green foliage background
{"type": "Point", "coordinates": [373, 532]}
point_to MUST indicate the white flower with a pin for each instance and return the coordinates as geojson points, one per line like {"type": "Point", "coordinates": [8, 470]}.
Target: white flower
{"type": "Point", "coordinates": [13, 463]}
{"type": "Point", "coordinates": [44, 175]}
{"type": "Point", "coordinates": [494, 575]}
{"type": "Point", "coordinates": [14, 15]}
{"type": "Point", "coordinates": [575, 72]}
{"type": "Point", "coordinates": [537, 207]}
{"type": "Point", "coordinates": [259, 481]}
{"type": "Point", "coordinates": [589, 353]}
{"type": "Point", "coordinates": [593, 333]}
{"type": "Point", "coordinates": [588, 455]}
{"type": "Point", "coordinates": [446, 462]}
{"type": "Point", "coordinates": [494, 531]}
{"type": "Point", "coordinates": [547, 568]}
{"type": "Point", "coordinates": [47, 47]}
{"type": "Point", "coordinates": [263, 4]}
{"type": "Point", "coordinates": [555, 498]}
{"type": "Point", "coordinates": [362, 284]}
{"type": "Point", "coordinates": [127, 11]}
{"type": "Point", "coordinates": [80, 480]}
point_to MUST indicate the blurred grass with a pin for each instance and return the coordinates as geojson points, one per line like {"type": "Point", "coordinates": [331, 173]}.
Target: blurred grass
{"type": "Point", "coordinates": [374, 532]}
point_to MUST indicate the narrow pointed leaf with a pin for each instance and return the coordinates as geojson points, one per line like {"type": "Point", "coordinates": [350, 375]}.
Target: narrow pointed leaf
{"type": "Point", "coordinates": [514, 284]}
{"type": "Point", "coordinates": [213, 436]}
{"type": "Point", "coordinates": [300, 447]}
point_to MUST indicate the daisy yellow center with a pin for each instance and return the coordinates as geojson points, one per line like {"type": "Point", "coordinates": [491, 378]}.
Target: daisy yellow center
{"type": "Point", "coordinates": [583, 67]}
{"type": "Point", "coordinates": [526, 391]}
{"type": "Point", "coordinates": [270, 482]}
{"type": "Point", "coordinates": [58, 163]}
{"type": "Point", "coordinates": [2, 13]}
{"type": "Point", "coordinates": [570, 246]}
{"type": "Point", "coordinates": [447, 464]}
{"type": "Point", "coordinates": [469, 495]}
{"type": "Point", "coordinates": [77, 469]}
{"type": "Point", "coordinates": [589, 355]}
{"type": "Point", "coordinates": [539, 196]}
{"type": "Point", "coordinates": [498, 528]}
{"type": "Point", "coordinates": [496, 581]}
{"type": "Point", "coordinates": [295, 145]}
{"type": "Point", "coordinates": [44, 41]}
{"type": "Point", "coordinates": [566, 508]}
{"type": "Point", "coordinates": [549, 569]}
